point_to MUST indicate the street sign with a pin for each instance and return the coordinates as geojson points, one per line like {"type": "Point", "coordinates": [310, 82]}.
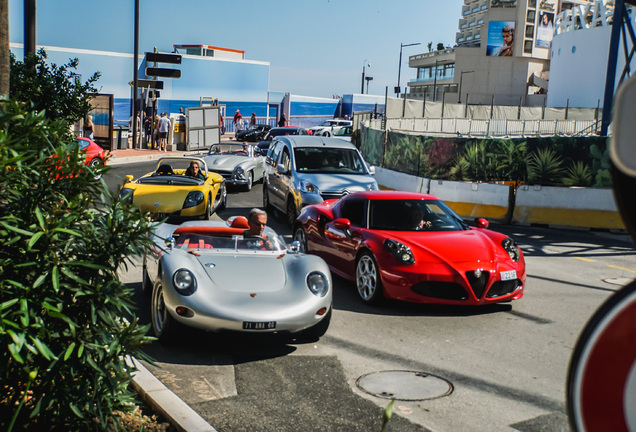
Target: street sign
{"type": "Point", "coordinates": [163, 58]}
{"type": "Point", "coordinates": [601, 391]}
{"type": "Point", "coordinates": [163, 72]}
{"type": "Point", "coordinates": [145, 83]}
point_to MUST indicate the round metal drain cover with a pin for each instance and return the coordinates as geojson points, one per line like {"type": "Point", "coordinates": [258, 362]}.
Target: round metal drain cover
{"type": "Point", "coordinates": [404, 385]}
{"type": "Point", "coordinates": [618, 281]}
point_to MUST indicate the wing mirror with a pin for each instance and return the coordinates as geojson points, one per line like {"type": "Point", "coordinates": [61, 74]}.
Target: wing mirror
{"type": "Point", "coordinates": [280, 169]}
{"type": "Point", "coordinates": [129, 178]}
{"type": "Point", "coordinates": [294, 247]}
{"type": "Point", "coordinates": [372, 170]}
{"type": "Point", "coordinates": [338, 229]}
{"type": "Point", "coordinates": [170, 242]}
{"type": "Point", "coordinates": [482, 223]}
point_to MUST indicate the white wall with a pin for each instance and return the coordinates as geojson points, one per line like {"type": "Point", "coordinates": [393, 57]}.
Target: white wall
{"type": "Point", "coordinates": [578, 67]}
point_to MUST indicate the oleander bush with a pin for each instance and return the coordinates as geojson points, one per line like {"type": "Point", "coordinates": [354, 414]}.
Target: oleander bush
{"type": "Point", "coordinates": [67, 321]}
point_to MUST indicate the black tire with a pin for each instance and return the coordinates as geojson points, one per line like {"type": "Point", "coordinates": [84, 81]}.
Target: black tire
{"type": "Point", "coordinates": [292, 213]}
{"type": "Point", "coordinates": [300, 237]}
{"type": "Point", "coordinates": [368, 282]}
{"type": "Point", "coordinates": [266, 204]}
{"type": "Point", "coordinates": [220, 200]}
{"type": "Point", "coordinates": [318, 330]}
{"type": "Point", "coordinates": [250, 181]}
{"type": "Point", "coordinates": [163, 325]}
{"type": "Point", "coordinates": [146, 283]}
{"type": "Point", "coordinates": [326, 133]}
{"type": "Point", "coordinates": [208, 209]}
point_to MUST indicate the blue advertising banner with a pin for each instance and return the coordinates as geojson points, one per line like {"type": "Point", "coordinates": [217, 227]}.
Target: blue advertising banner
{"type": "Point", "coordinates": [501, 36]}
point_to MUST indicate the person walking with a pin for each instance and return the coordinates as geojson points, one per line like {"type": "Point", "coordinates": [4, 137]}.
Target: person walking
{"type": "Point", "coordinates": [253, 120]}
{"type": "Point", "coordinates": [238, 121]}
{"type": "Point", "coordinates": [164, 128]}
{"type": "Point", "coordinates": [282, 121]}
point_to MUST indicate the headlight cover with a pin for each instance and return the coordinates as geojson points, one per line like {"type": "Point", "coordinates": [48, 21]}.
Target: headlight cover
{"type": "Point", "coordinates": [511, 247]}
{"type": "Point", "coordinates": [184, 282]}
{"type": "Point", "coordinates": [308, 187]}
{"type": "Point", "coordinates": [193, 199]}
{"type": "Point", "coordinates": [400, 251]}
{"type": "Point", "coordinates": [318, 284]}
{"type": "Point", "coordinates": [239, 173]}
{"type": "Point", "coordinates": [374, 186]}
{"type": "Point", "coordinates": [126, 195]}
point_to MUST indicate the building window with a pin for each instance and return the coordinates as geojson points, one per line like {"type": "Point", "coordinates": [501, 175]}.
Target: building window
{"type": "Point", "coordinates": [478, 36]}
{"type": "Point", "coordinates": [472, 24]}
{"type": "Point", "coordinates": [529, 31]}
{"type": "Point", "coordinates": [463, 26]}
{"type": "Point", "coordinates": [532, 3]}
{"type": "Point", "coordinates": [484, 7]}
{"type": "Point", "coordinates": [480, 21]}
{"type": "Point", "coordinates": [530, 17]}
{"type": "Point", "coordinates": [527, 47]}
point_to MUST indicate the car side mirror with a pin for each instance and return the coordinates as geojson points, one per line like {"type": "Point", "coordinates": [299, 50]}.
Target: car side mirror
{"type": "Point", "coordinates": [294, 247]}
{"type": "Point", "coordinates": [129, 178]}
{"type": "Point", "coordinates": [170, 242]}
{"type": "Point", "coordinates": [280, 169]}
{"type": "Point", "coordinates": [372, 170]}
{"type": "Point", "coordinates": [482, 223]}
{"type": "Point", "coordinates": [338, 229]}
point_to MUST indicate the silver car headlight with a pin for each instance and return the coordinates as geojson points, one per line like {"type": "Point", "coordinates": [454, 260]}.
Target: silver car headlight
{"type": "Point", "coordinates": [308, 187]}
{"type": "Point", "coordinates": [511, 247]}
{"type": "Point", "coordinates": [400, 251]}
{"type": "Point", "coordinates": [184, 282]}
{"type": "Point", "coordinates": [193, 199]}
{"type": "Point", "coordinates": [318, 284]}
{"type": "Point", "coordinates": [126, 195]}
{"type": "Point", "coordinates": [239, 173]}
{"type": "Point", "coordinates": [374, 186]}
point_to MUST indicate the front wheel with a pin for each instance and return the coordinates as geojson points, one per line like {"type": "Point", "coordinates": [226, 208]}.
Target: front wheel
{"type": "Point", "coordinates": [300, 237]}
{"type": "Point", "coordinates": [208, 209]}
{"type": "Point", "coordinates": [220, 199]}
{"type": "Point", "coordinates": [163, 325]}
{"type": "Point", "coordinates": [319, 330]}
{"type": "Point", "coordinates": [368, 280]}
{"type": "Point", "coordinates": [96, 164]}
{"type": "Point", "coordinates": [250, 181]}
{"type": "Point", "coordinates": [266, 204]}
{"type": "Point", "coordinates": [291, 212]}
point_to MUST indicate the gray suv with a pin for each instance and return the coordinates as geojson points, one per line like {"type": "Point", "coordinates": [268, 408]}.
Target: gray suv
{"type": "Point", "coordinates": [302, 170]}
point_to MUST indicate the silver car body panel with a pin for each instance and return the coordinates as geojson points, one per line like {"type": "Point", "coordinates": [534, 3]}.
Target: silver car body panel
{"type": "Point", "coordinates": [236, 286]}
{"type": "Point", "coordinates": [227, 164]}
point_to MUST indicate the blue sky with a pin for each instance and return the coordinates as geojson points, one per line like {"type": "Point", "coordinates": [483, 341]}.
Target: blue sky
{"type": "Point", "coordinates": [314, 47]}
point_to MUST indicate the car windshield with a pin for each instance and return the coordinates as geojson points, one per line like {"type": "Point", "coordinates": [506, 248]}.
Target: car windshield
{"type": "Point", "coordinates": [328, 123]}
{"type": "Point", "coordinates": [230, 149]}
{"type": "Point", "coordinates": [83, 144]}
{"type": "Point", "coordinates": [226, 243]}
{"type": "Point", "coordinates": [413, 215]}
{"type": "Point", "coordinates": [345, 131]}
{"type": "Point", "coordinates": [328, 160]}
{"type": "Point", "coordinates": [283, 131]}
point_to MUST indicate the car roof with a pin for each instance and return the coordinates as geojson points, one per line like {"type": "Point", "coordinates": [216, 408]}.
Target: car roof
{"type": "Point", "coordinates": [391, 195]}
{"type": "Point", "coordinates": [296, 141]}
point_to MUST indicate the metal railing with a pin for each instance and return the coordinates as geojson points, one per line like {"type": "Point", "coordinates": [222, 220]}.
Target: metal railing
{"type": "Point", "coordinates": [495, 127]}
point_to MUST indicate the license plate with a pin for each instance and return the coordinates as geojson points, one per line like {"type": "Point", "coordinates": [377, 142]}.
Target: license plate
{"type": "Point", "coordinates": [265, 325]}
{"type": "Point", "coordinates": [508, 275]}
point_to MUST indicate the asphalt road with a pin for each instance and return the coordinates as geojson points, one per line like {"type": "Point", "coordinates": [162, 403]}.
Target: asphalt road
{"type": "Point", "coordinates": [505, 366]}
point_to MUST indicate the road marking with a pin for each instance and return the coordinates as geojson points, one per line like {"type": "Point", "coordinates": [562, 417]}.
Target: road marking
{"type": "Point", "coordinates": [584, 259]}
{"type": "Point", "coordinates": [622, 268]}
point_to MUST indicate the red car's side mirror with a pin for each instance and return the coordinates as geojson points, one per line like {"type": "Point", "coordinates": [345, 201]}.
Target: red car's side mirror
{"type": "Point", "coordinates": [482, 223]}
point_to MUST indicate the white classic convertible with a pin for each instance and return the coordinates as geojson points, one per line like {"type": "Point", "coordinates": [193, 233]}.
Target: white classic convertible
{"type": "Point", "coordinates": [239, 164]}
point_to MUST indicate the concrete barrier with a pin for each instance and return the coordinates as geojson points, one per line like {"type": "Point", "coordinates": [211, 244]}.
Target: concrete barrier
{"type": "Point", "coordinates": [569, 207]}
{"type": "Point", "coordinates": [475, 200]}
{"type": "Point", "coordinates": [572, 207]}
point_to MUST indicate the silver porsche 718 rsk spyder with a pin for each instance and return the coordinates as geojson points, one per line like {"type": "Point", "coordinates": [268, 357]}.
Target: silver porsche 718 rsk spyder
{"type": "Point", "coordinates": [211, 275]}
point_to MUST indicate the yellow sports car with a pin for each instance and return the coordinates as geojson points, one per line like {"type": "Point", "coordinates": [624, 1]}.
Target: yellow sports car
{"type": "Point", "coordinates": [179, 186]}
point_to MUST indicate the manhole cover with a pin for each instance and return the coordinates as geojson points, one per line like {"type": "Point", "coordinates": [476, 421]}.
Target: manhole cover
{"type": "Point", "coordinates": [618, 281]}
{"type": "Point", "coordinates": [404, 385]}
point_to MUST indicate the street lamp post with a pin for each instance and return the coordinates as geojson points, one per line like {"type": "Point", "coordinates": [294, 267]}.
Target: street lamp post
{"type": "Point", "coordinates": [397, 89]}
{"type": "Point", "coordinates": [368, 79]}
{"type": "Point", "coordinates": [461, 77]}
{"type": "Point", "coordinates": [364, 65]}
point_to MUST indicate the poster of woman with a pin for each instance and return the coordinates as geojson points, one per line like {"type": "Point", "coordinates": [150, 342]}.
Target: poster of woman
{"type": "Point", "coordinates": [501, 36]}
{"type": "Point", "coordinates": [545, 29]}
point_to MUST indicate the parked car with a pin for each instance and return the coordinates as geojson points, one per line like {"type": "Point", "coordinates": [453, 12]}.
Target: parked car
{"type": "Point", "coordinates": [330, 127]}
{"type": "Point", "coordinates": [169, 192]}
{"type": "Point", "coordinates": [94, 153]}
{"type": "Point", "coordinates": [212, 276]}
{"type": "Point", "coordinates": [344, 133]}
{"type": "Point", "coordinates": [239, 164]}
{"type": "Point", "coordinates": [412, 247]}
{"type": "Point", "coordinates": [304, 170]}
{"type": "Point", "coordinates": [264, 144]}
{"type": "Point", "coordinates": [254, 133]}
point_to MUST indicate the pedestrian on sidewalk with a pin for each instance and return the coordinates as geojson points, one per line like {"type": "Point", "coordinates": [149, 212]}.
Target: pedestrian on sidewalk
{"type": "Point", "coordinates": [164, 128]}
{"type": "Point", "coordinates": [89, 127]}
{"type": "Point", "coordinates": [253, 120]}
{"type": "Point", "coordinates": [238, 121]}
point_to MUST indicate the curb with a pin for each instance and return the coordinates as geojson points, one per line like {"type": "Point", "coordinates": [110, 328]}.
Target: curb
{"type": "Point", "coordinates": [166, 403]}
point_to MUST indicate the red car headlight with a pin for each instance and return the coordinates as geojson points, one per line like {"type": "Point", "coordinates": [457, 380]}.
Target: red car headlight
{"type": "Point", "coordinates": [511, 247]}
{"type": "Point", "coordinates": [400, 251]}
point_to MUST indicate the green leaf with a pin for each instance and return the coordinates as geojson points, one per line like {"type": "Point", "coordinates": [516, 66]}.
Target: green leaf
{"type": "Point", "coordinates": [34, 239]}
{"type": "Point", "coordinates": [69, 351]}
{"type": "Point", "coordinates": [38, 215]}
{"type": "Point", "coordinates": [16, 229]}
{"type": "Point", "coordinates": [55, 279]}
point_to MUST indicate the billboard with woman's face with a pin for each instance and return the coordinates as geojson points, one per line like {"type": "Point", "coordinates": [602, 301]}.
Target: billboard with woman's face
{"type": "Point", "coordinates": [545, 29]}
{"type": "Point", "coordinates": [501, 36]}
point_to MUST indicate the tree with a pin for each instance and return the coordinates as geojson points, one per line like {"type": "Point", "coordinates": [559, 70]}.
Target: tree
{"type": "Point", "coordinates": [54, 90]}
{"type": "Point", "coordinates": [4, 49]}
{"type": "Point", "coordinates": [66, 320]}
